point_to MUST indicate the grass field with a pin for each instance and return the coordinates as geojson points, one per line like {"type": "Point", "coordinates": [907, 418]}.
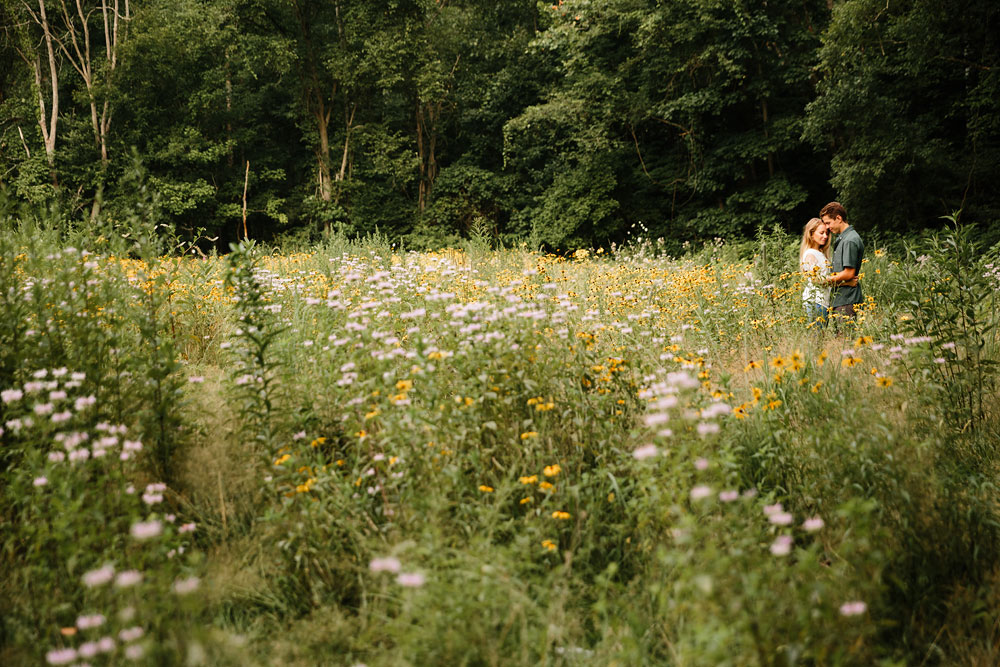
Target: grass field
{"type": "Point", "coordinates": [353, 455]}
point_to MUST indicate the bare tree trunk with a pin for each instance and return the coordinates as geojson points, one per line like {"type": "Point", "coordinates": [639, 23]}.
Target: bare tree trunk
{"type": "Point", "coordinates": [323, 153]}
{"type": "Point", "coordinates": [246, 182]}
{"type": "Point", "coordinates": [422, 161]}
{"type": "Point", "coordinates": [112, 39]}
{"type": "Point", "coordinates": [80, 58]}
{"type": "Point", "coordinates": [316, 104]}
{"type": "Point", "coordinates": [348, 126]}
{"type": "Point", "coordinates": [427, 117]}
{"type": "Point", "coordinates": [434, 111]}
{"type": "Point", "coordinates": [50, 115]}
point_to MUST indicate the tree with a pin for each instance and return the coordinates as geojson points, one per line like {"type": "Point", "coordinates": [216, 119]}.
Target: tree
{"type": "Point", "coordinates": [40, 54]}
{"type": "Point", "coordinates": [690, 112]}
{"type": "Point", "coordinates": [909, 104]}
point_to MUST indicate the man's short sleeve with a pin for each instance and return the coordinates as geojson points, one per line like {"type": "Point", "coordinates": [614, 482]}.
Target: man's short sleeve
{"type": "Point", "coordinates": [852, 254]}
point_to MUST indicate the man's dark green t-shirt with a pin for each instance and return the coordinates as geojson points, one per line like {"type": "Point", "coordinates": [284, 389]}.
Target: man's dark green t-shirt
{"type": "Point", "coordinates": [848, 251]}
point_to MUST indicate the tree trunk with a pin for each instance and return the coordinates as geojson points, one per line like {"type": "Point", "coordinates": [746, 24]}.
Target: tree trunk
{"type": "Point", "coordinates": [323, 152]}
{"type": "Point", "coordinates": [348, 125]}
{"type": "Point", "coordinates": [48, 133]}
{"type": "Point", "coordinates": [427, 117]}
{"type": "Point", "coordinates": [434, 111]}
{"type": "Point", "coordinates": [422, 160]}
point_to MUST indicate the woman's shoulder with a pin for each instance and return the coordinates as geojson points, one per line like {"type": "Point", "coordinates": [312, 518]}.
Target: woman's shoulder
{"type": "Point", "coordinates": [813, 256]}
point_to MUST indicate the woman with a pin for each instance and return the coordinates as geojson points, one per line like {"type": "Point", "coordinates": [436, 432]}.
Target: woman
{"type": "Point", "coordinates": [814, 260]}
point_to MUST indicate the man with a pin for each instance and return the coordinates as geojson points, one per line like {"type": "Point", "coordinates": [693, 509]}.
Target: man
{"type": "Point", "coordinates": [848, 253]}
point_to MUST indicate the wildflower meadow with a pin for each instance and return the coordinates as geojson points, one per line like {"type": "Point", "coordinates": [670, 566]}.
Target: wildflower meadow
{"type": "Point", "coordinates": [355, 454]}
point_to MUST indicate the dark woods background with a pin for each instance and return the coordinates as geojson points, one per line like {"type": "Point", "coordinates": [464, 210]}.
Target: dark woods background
{"type": "Point", "coordinates": [561, 125]}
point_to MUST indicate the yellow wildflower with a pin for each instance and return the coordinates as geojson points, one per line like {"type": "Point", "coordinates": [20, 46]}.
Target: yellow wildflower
{"type": "Point", "coordinates": [552, 470]}
{"type": "Point", "coordinates": [485, 489]}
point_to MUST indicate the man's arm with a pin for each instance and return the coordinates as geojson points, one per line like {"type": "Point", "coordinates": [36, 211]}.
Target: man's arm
{"type": "Point", "coordinates": [846, 276]}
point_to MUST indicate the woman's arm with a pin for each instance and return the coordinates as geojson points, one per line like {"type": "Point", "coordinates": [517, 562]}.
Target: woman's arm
{"type": "Point", "coordinates": [814, 271]}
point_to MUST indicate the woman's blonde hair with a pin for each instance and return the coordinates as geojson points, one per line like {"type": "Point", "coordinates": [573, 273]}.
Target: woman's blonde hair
{"type": "Point", "coordinates": [807, 241]}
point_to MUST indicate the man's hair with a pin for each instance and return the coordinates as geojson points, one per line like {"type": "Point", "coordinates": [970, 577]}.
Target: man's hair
{"type": "Point", "coordinates": [833, 209]}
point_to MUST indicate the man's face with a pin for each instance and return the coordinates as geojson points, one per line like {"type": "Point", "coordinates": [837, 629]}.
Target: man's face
{"type": "Point", "coordinates": [836, 224]}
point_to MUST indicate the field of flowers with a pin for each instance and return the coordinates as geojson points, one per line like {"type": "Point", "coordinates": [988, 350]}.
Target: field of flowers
{"type": "Point", "coordinates": [354, 455]}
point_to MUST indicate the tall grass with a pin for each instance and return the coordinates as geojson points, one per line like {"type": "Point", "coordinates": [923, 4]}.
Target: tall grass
{"type": "Point", "coordinates": [496, 457]}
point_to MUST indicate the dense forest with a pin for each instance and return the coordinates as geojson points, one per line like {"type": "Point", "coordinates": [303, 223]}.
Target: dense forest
{"type": "Point", "coordinates": [561, 125]}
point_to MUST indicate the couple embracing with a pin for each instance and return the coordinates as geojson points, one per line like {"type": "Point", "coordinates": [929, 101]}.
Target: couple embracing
{"type": "Point", "coordinates": [825, 294]}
